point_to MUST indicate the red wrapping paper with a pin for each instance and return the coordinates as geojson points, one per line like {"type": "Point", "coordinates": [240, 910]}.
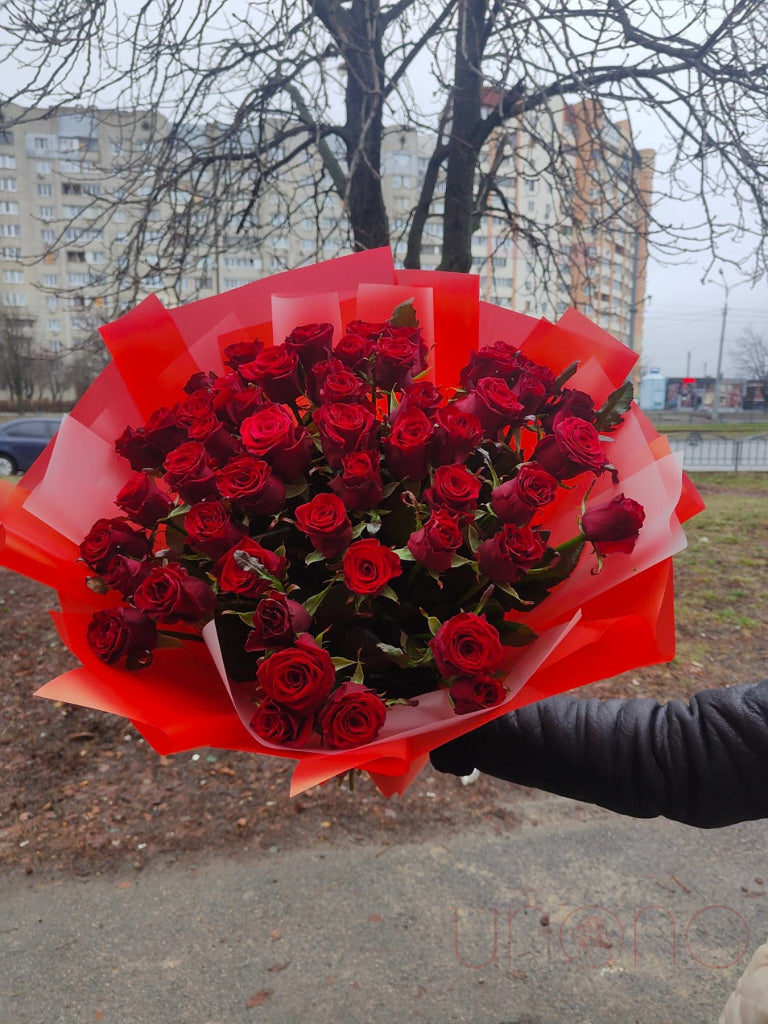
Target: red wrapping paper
{"type": "Point", "coordinates": [590, 627]}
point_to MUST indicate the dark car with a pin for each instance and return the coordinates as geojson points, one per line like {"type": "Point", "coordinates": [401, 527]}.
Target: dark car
{"type": "Point", "coordinates": [21, 441]}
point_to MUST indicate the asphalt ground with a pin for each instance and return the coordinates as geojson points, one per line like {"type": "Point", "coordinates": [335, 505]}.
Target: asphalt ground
{"type": "Point", "coordinates": [578, 916]}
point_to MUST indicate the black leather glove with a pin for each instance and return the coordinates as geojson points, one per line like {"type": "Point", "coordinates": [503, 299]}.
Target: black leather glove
{"type": "Point", "coordinates": [704, 762]}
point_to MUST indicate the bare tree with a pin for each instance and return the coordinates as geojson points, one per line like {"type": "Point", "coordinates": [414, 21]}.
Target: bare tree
{"type": "Point", "coordinates": [18, 369]}
{"type": "Point", "coordinates": [751, 357]}
{"type": "Point", "coordinates": [233, 98]}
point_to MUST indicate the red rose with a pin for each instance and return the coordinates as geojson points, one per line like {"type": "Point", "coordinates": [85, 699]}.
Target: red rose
{"type": "Point", "coordinates": [457, 434]}
{"type": "Point", "coordinates": [122, 633]}
{"type": "Point", "coordinates": [533, 389]}
{"type": "Point", "coordinates": [325, 521]}
{"type": "Point", "coordinates": [399, 357]}
{"type": "Point", "coordinates": [170, 594]}
{"type": "Point", "coordinates": [242, 352]}
{"type": "Point", "coordinates": [359, 484]}
{"type": "Point", "coordinates": [197, 404]}
{"type": "Point", "coordinates": [125, 574]}
{"type": "Point", "coordinates": [250, 483]}
{"type": "Point", "coordinates": [508, 555]}
{"type": "Point", "coordinates": [276, 622]}
{"type": "Point", "coordinates": [276, 370]}
{"type": "Point", "coordinates": [142, 500]}
{"type": "Point", "coordinates": [469, 695]}
{"type": "Point", "coordinates": [572, 448]}
{"type": "Point", "coordinates": [354, 715]}
{"type": "Point", "coordinates": [164, 431]}
{"type": "Point", "coordinates": [110, 537]}
{"type": "Point", "coordinates": [274, 723]}
{"type": "Point", "coordinates": [408, 445]}
{"type": "Point", "coordinates": [369, 566]}
{"type": "Point", "coordinates": [614, 525]}
{"type": "Point", "coordinates": [517, 500]}
{"type": "Point", "coordinates": [495, 405]}
{"type": "Point", "coordinates": [455, 488]}
{"type": "Point", "coordinates": [311, 343]}
{"type": "Point", "coordinates": [214, 436]}
{"type": "Point", "coordinates": [234, 579]}
{"type": "Point", "coordinates": [271, 434]}
{"type": "Point", "coordinates": [315, 378]}
{"type": "Point", "coordinates": [497, 360]}
{"type": "Point", "coordinates": [343, 386]}
{"type": "Point", "coordinates": [422, 394]}
{"type": "Point", "coordinates": [344, 427]}
{"type": "Point", "coordinates": [467, 645]}
{"type": "Point", "coordinates": [355, 347]}
{"type": "Point", "coordinates": [233, 401]}
{"type": "Point", "coordinates": [300, 677]}
{"type": "Point", "coordinates": [189, 472]}
{"type": "Point", "coordinates": [435, 544]}
{"type": "Point", "coordinates": [570, 403]}
{"type": "Point", "coordinates": [203, 380]}
{"type": "Point", "coordinates": [210, 528]}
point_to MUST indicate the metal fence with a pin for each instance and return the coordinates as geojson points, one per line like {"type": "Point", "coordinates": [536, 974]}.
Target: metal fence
{"type": "Point", "coordinates": [721, 454]}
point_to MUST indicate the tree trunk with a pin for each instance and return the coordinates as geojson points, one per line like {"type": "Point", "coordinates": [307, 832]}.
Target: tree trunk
{"type": "Point", "coordinates": [465, 139]}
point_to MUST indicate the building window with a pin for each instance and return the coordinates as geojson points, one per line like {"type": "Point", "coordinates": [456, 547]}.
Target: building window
{"type": "Point", "coordinates": [13, 277]}
{"type": "Point", "coordinates": [51, 302]}
{"type": "Point", "coordinates": [41, 143]}
{"type": "Point", "coordinates": [14, 299]}
{"type": "Point", "coordinates": [47, 212]}
{"type": "Point", "coordinates": [10, 230]}
{"type": "Point", "coordinates": [45, 190]}
{"type": "Point", "coordinates": [7, 162]}
{"type": "Point", "coordinates": [54, 324]}
{"type": "Point", "coordinates": [6, 137]}
{"type": "Point", "coordinates": [8, 185]}
{"type": "Point", "coordinates": [10, 252]}
{"type": "Point", "coordinates": [48, 236]}
{"type": "Point", "coordinates": [9, 206]}
{"type": "Point", "coordinates": [75, 256]}
{"type": "Point", "coordinates": [43, 167]}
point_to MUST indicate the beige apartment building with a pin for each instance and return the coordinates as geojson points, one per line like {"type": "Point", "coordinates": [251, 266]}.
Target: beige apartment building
{"type": "Point", "coordinates": [69, 194]}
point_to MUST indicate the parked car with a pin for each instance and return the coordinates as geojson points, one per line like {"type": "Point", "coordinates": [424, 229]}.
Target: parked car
{"type": "Point", "coordinates": [22, 440]}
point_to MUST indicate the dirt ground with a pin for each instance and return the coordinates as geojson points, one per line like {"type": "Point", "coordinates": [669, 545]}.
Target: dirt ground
{"type": "Point", "coordinates": [81, 792]}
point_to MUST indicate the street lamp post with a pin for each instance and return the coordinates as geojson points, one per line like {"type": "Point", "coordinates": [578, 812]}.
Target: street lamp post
{"type": "Point", "coordinates": [716, 395]}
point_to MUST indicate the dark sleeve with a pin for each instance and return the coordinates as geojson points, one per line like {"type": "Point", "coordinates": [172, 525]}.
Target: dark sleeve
{"type": "Point", "coordinates": [704, 762]}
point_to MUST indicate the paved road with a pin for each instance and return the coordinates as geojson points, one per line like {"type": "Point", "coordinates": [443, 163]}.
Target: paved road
{"type": "Point", "coordinates": [384, 934]}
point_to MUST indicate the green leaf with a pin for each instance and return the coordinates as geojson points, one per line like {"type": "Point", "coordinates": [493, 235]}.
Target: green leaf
{"type": "Point", "coordinates": [314, 602]}
{"type": "Point", "coordinates": [516, 634]}
{"type": "Point", "coordinates": [566, 375]}
{"type": "Point", "coordinates": [400, 658]}
{"type": "Point", "coordinates": [294, 490]}
{"type": "Point", "coordinates": [314, 556]}
{"type": "Point", "coordinates": [404, 554]}
{"type": "Point", "coordinates": [457, 561]}
{"type": "Point", "coordinates": [473, 538]}
{"type": "Point", "coordinates": [434, 625]}
{"type": "Point", "coordinates": [341, 663]}
{"type": "Point", "coordinates": [358, 676]}
{"type": "Point", "coordinates": [358, 530]}
{"type": "Point", "coordinates": [404, 315]}
{"type": "Point", "coordinates": [390, 488]}
{"type": "Point", "coordinates": [616, 405]}
{"type": "Point", "coordinates": [389, 593]}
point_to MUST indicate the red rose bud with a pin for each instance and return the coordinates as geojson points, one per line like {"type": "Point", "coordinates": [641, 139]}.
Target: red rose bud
{"type": "Point", "coordinates": [467, 645]}
{"type": "Point", "coordinates": [121, 633]}
{"type": "Point", "coordinates": [422, 394]}
{"type": "Point", "coordinates": [143, 501]}
{"type": "Point", "coordinates": [203, 380]}
{"type": "Point", "coordinates": [494, 404]}
{"type": "Point", "coordinates": [344, 427]}
{"type": "Point", "coordinates": [359, 484]}
{"type": "Point", "coordinates": [457, 434]}
{"type": "Point", "coordinates": [517, 500]}
{"type": "Point", "coordinates": [408, 445]}
{"type": "Point", "coordinates": [250, 483]}
{"type": "Point", "coordinates": [210, 528]}
{"type": "Point", "coordinates": [271, 434]}
{"type": "Point", "coordinates": [233, 400]}
{"type": "Point", "coordinates": [274, 723]}
{"type": "Point", "coordinates": [435, 544]}
{"type": "Point", "coordinates": [134, 446]}
{"type": "Point", "coordinates": [311, 343]}
{"type": "Point", "coordinates": [125, 574]}
{"type": "Point", "coordinates": [299, 677]}
{"type": "Point", "coordinates": [369, 566]}
{"type": "Point", "coordinates": [399, 357]}
{"type": "Point", "coordinates": [170, 594]}
{"type": "Point", "coordinates": [277, 620]}
{"type": "Point", "coordinates": [189, 472]}
{"type": "Point", "coordinates": [343, 386]}
{"type": "Point", "coordinates": [234, 578]}
{"type": "Point", "coordinates": [355, 348]}
{"type": "Point", "coordinates": [324, 520]}
{"type": "Point", "coordinates": [354, 715]}
{"type": "Point", "coordinates": [276, 370]}
{"type": "Point", "coordinates": [110, 537]}
{"type": "Point", "coordinates": [508, 555]}
{"type": "Point", "coordinates": [531, 391]}
{"type": "Point", "coordinates": [196, 405]}
{"type": "Point", "coordinates": [497, 360]}
{"type": "Point", "coordinates": [242, 352]}
{"type": "Point", "coordinates": [570, 403]}
{"type": "Point", "coordinates": [455, 488]}
{"type": "Point", "coordinates": [164, 430]}
{"type": "Point", "coordinates": [613, 526]}
{"type": "Point", "coordinates": [214, 436]}
{"type": "Point", "coordinates": [469, 695]}
{"type": "Point", "coordinates": [572, 448]}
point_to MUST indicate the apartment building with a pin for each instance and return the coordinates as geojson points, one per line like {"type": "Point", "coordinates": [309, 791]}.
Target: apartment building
{"type": "Point", "coordinates": [69, 193]}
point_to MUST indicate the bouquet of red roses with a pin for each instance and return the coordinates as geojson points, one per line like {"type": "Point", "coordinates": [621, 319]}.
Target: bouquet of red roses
{"type": "Point", "coordinates": [360, 555]}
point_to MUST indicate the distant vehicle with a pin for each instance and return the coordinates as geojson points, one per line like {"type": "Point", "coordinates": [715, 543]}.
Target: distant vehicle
{"type": "Point", "coordinates": [21, 441]}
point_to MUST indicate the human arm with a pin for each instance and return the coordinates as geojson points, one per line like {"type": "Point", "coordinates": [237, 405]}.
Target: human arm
{"type": "Point", "coordinates": [702, 762]}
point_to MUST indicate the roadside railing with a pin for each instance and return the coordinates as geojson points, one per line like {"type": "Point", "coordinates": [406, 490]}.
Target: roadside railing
{"type": "Point", "coordinates": [721, 454]}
